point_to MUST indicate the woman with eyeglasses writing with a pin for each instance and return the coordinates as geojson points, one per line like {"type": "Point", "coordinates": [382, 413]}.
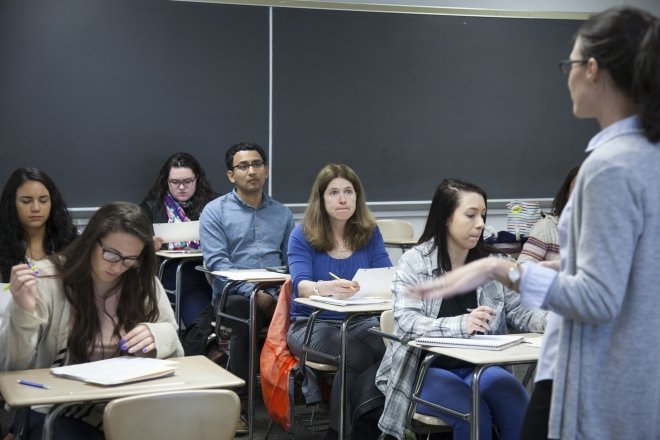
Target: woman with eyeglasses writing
{"type": "Point", "coordinates": [597, 375]}
{"type": "Point", "coordinates": [179, 194]}
{"type": "Point", "coordinates": [97, 299]}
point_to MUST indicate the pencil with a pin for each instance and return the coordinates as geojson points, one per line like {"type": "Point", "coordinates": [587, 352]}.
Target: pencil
{"type": "Point", "coordinates": [337, 278]}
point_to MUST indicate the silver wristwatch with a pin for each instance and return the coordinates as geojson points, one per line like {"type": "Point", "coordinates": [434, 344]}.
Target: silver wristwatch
{"type": "Point", "coordinates": [514, 275]}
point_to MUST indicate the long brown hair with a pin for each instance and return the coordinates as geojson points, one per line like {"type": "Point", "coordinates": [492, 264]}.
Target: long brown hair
{"type": "Point", "coordinates": [316, 226]}
{"type": "Point", "coordinates": [138, 301]}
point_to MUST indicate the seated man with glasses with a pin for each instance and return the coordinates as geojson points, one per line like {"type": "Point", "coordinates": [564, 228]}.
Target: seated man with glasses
{"type": "Point", "coordinates": [245, 229]}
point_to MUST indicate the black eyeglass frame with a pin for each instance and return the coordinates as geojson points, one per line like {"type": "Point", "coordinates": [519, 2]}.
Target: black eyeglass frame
{"type": "Point", "coordinates": [117, 257]}
{"type": "Point", "coordinates": [565, 66]}
{"type": "Point", "coordinates": [244, 166]}
{"type": "Point", "coordinates": [187, 183]}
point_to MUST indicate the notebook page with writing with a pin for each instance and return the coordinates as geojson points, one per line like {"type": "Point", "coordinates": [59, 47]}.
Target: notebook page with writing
{"type": "Point", "coordinates": [479, 342]}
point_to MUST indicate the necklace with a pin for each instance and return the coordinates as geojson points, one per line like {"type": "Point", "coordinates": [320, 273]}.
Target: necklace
{"type": "Point", "coordinates": [341, 250]}
{"type": "Point", "coordinates": [35, 255]}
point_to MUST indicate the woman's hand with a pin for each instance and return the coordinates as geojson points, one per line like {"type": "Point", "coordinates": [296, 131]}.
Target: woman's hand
{"type": "Point", "coordinates": [158, 242]}
{"type": "Point", "coordinates": [465, 278]}
{"type": "Point", "coordinates": [479, 319]}
{"type": "Point", "coordinates": [23, 286]}
{"type": "Point", "coordinates": [139, 339]}
{"type": "Point", "coordinates": [340, 289]}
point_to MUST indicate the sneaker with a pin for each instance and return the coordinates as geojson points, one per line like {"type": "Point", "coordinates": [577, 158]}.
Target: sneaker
{"type": "Point", "coordinates": [242, 427]}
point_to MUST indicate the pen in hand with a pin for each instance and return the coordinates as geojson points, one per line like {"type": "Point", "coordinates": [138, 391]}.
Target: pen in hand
{"type": "Point", "coordinates": [32, 384]}
{"type": "Point", "coordinates": [337, 278]}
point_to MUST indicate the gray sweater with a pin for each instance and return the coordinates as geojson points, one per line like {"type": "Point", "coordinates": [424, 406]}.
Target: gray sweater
{"type": "Point", "coordinates": [607, 375]}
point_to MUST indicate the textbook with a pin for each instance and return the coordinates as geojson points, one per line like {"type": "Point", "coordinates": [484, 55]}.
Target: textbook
{"type": "Point", "coordinates": [117, 371]}
{"type": "Point", "coordinates": [479, 342]}
{"type": "Point", "coordinates": [349, 301]}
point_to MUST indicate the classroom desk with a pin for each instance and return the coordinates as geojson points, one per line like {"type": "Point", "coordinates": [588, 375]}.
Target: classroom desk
{"type": "Point", "coordinates": [193, 373]}
{"type": "Point", "coordinates": [181, 258]}
{"type": "Point", "coordinates": [261, 278]}
{"type": "Point", "coordinates": [351, 312]}
{"type": "Point", "coordinates": [482, 360]}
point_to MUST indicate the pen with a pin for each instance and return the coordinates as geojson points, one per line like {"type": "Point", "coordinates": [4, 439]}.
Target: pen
{"type": "Point", "coordinates": [33, 384]}
{"type": "Point", "coordinates": [337, 278]}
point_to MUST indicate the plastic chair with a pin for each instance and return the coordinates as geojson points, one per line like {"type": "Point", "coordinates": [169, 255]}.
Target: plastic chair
{"type": "Point", "coordinates": [173, 415]}
{"type": "Point", "coordinates": [397, 233]}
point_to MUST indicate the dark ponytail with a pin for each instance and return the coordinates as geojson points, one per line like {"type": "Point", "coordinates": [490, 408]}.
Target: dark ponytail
{"type": "Point", "coordinates": [646, 82]}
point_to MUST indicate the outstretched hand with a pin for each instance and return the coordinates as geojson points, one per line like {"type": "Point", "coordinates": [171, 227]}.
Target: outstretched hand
{"type": "Point", "coordinates": [463, 279]}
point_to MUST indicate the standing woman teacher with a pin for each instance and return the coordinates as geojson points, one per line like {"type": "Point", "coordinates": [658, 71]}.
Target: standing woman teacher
{"type": "Point", "coordinates": [601, 346]}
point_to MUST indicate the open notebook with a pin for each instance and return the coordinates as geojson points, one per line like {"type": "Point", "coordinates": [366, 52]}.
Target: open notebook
{"type": "Point", "coordinates": [480, 342]}
{"type": "Point", "coordinates": [117, 371]}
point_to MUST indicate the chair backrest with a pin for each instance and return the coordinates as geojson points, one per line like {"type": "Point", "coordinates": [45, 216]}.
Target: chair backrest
{"type": "Point", "coordinates": [387, 324]}
{"type": "Point", "coordinates": [200, 414]}
{"type": "Point", "coordinates": [395, 229]}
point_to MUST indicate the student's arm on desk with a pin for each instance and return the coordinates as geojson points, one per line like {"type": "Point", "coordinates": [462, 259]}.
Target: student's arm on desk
{"type": "Point", "coordinates": [164, 331]}
{"type": "Point", "coordinates": [301, 258]}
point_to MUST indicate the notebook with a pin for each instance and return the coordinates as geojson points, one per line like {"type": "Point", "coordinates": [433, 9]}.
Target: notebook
{"type": "Point", "coordinates": [117, 371]}
{"type": "Point", "coordinates": [349, 301]}
{"type": "Point", "coordinates": [479, 342]}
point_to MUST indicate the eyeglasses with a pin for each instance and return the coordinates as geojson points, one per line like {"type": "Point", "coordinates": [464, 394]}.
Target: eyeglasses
{"type": "Point", "coordinates": [244, 166]}
{"type": "Point", "coordinates": [565, 66]}
{"type": "Point", "coordinates": [115, 257]}
{"type": "Point", "coordinates": [187, 183]}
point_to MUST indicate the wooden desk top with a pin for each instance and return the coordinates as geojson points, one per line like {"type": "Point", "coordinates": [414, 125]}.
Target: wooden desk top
{"type": "Point", "coordinates": [193, 373]}
{"type": "Point", "coordinates": [517, 354]}
{"type": "Point", "coordinates": [400, 241]}
{"type": "Point", "coordinates": [362, 308]}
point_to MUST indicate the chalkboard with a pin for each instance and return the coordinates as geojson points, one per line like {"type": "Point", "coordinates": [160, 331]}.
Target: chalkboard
{"type": "Point", "coordinates": [409, 99]}
{"type": "Point", "coordinates": [98, 93]}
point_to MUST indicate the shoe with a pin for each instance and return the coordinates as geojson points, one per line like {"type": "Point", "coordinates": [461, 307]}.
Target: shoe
{"type": "Point", "coordinates": [242, 427]}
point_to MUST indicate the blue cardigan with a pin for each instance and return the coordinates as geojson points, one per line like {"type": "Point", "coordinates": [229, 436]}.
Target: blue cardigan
{"type": "Point", "coordinates": [307, 263]}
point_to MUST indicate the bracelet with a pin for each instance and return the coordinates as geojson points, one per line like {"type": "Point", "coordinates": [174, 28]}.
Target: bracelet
{"type": "Point", "coordinates": [316, 288]}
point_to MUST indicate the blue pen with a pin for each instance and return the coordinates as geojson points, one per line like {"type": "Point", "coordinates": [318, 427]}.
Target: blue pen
{"type": "Point", "coordinates": [33, 384]}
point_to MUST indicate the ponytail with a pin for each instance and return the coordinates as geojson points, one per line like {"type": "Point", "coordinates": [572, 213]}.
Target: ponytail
{"type": "Point", "coordinates": [646, 81]}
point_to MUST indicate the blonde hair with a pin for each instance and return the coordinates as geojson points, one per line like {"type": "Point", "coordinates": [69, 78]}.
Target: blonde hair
{"type": "Point", "coordinates": [316, 225]}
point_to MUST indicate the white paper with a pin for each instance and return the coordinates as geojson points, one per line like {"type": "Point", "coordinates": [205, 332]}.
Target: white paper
{"type": "Point", "coordinates": [114, 371]}
{"type": "Point", "coordinates": [374, 283]}
{"type": "Point", "coordinates": [244, 275]}
{"type": "Point", "coordinates": [180, 231]}
{"type": "Point", "coordinates": [349, 301]}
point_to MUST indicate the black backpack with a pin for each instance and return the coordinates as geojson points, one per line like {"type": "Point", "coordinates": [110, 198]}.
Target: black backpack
{"type": "Point", "coordinates": [200, 333]}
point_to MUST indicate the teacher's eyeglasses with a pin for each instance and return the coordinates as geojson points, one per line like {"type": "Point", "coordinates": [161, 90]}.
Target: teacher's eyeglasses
{"type": "Point", "coordinates": [115, 257]}
{"type": "Point", "coordinates": [565, 66]}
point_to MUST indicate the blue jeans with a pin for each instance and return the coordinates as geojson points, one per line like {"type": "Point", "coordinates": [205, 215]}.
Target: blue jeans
{"type": "Point", "coordinates": [503, 400]}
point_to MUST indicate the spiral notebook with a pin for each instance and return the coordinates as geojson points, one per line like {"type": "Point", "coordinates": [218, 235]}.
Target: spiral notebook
{"type": "Point", "coordinates": [478, 342]}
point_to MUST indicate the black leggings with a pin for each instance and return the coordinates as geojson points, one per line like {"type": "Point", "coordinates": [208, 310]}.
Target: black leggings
{"type": "Point", "coordinates": [535, 424]}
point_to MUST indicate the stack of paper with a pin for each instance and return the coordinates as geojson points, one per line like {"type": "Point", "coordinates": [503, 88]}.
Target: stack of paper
{"type": "Point", "coordinates": [117, 371]}
{"type": "Point", "coordinates": [480, 342]}
{"type": "Point", "coordinates": [348, 301]}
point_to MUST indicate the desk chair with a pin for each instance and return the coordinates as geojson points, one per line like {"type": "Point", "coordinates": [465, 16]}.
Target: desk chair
{"type": "Point", "coordinates": [397, 233]}
{"type": "Point", "coordinates": [221, 315]}
{"type": "Point", "coordinates": [418, 422]}
{"type": "Point", "coordinates": [202, 415]}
